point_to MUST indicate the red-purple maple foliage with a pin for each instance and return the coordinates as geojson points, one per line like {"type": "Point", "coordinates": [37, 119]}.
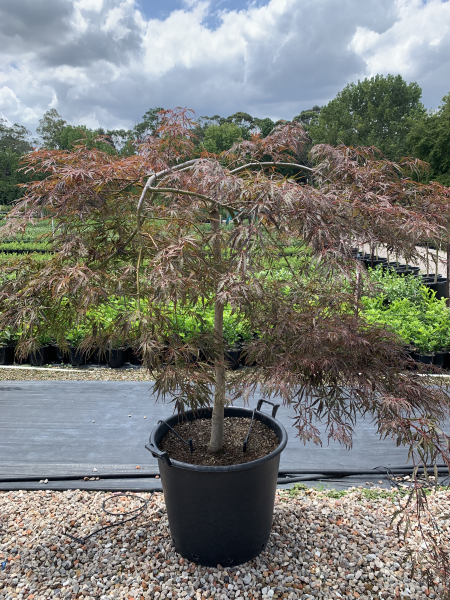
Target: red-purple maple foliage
{"type": "Point", "coordinates": [150, 227]}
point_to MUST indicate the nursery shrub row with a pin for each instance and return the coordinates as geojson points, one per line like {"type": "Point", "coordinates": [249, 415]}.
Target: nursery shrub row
{"type": "Point", "coordinates": [401, 302]}
{"type": "Point", "coordinates": [408, 307]}
{"type": "Point", "coordinates": [24, 247]}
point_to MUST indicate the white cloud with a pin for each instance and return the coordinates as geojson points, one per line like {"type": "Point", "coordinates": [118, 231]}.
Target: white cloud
{"type": "Point", "coordinates": [89, 5]}
{"type": "Point", "coordinates": [9, 102]}
{"type": "Point", "coordinates": [417, 46]}
{"type": "Point", "coordinates": [108, 64]}
{"type": "Point", "coordinates": [115, 22]}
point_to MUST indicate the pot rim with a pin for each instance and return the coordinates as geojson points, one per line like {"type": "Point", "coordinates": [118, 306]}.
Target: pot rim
{"type": "Point", "coordinates": [223, 468]}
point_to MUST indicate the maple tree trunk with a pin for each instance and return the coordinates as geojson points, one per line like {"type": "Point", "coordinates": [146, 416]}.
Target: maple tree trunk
{"type": "Point", "coordinates": [216, 441]}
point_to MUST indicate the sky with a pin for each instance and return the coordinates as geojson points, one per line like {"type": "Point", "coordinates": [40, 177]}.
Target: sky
{"type": "Point", "coordinates": [106, 62]}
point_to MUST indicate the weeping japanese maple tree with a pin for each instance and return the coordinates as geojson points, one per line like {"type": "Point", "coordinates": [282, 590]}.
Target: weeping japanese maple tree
{"type": "Point", "coordinates": [174, 231]}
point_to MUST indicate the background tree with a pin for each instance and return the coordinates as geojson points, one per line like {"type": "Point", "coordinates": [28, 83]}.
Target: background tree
{"type": "Point", "coordinates": [429, 139]}
{"type": "Point", "coordinates": [50, 128]}
{"type": "Point", "coordinates": [264, 126]}
{"type": "Point", "coordinates": [218, 138]}
{"type": "Point", "coordinates": [148, 124]}
{"type": "Point", "coordinates": [375, 112]}
{"type": "Point", "coordinates": [308, 118]}
{"type": "Point", "coordinates": [70, 136]}
{"type": "Point", "coordinates": [122, 140]}
{"type": "Point", "coordinates": [244, 121]}
{"type": "Point", "coordinates": [14, 142]}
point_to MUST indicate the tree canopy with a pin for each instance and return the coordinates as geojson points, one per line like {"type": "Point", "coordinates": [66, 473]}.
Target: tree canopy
{"type": "Point", "coordinates": [14, 142]}
{"type": "Point", "coordinates": [374, 112]}
{"type": "Point", "coordinates": [384, 111]}
{"type": "Point", "coordinates": [308, 118]}
{"type": "Point", "coordinates": [50, 128]}
{"type": "Point", "coordinates": [429, 139]}
{"type": "Point", "coordinates": [221, 137]}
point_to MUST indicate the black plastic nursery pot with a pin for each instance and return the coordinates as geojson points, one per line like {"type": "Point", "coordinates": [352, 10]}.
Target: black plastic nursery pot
{"type": "Point", "coordinates": [134, 357]}
{"type": "Point", "coordinates": [233, 357]}
{"type": "Point", "coordinates": [404, 271]}
{"type": "Point", "coordinates": [6, 355]}
{"type": "Point", "coordinates": [116, 358]}
{"type": "Point", "coordinates": [446, 360]}
{"type": "Point", "coordinates": [374, 263]}
{"type": "Point", "coordinates": [427, 359]}
{"type": "Point", "coordinates": [439, 359]}
{"type": "Point", "coordinates": [60, 355]}
{"type": "Point", "coordinates": [440, 287]}
{"type": "Point", "coordinates": [97, 357]}
{"type": "Point", "coordinates": [77, 357]}
{"type": "Point", "coordinates": [219, 515]}
{"type": "Point", "coordinates": [42, 356]}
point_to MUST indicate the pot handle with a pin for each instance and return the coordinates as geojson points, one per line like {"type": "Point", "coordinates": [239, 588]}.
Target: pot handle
{"type": "Point", "coordinates": [274, 409]}
{"type": "Point", "coordinates": [163, 456]}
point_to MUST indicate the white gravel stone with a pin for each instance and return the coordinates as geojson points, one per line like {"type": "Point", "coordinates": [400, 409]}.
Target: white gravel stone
{"type": "Point", "coordinates": [320, 547]}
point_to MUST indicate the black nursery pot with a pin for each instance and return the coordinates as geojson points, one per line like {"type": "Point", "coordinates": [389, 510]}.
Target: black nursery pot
{"type": "Point", "coordinates": [427, 359]}
{"type": "Point", "coordinates": [6, 355]}
{"type": "Point", "coordinates": [42, 356]}
{"type": "Point", "coordinates": [233, 357]}
{"type": "Point", "coordinates": [134, 357]}
{"type": "Point", "coordinates": [438, 359]}
{"type": "Point", "coordinates": [219, 515]}
{"type": "Point", "coordinates": [116, 358]}
{"type": "Point", "coordinates": [440, 287]}
{"type": "Point", "coordinates": [77, 357]}
{"type": "Point", "coordinates": [97, 357]}
{"type": "Point", "coordinates": [446, 361]}
{"type": "Point", "coordinates": [60, 356]}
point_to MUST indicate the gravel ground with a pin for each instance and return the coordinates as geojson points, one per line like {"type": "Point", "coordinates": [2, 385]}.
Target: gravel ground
{"type": "Point", "coordinates": [69, 373]}
{"type": "Point", "coordinates": [73, 374]}
{"type": "Point", "coordinates": [320, 547]}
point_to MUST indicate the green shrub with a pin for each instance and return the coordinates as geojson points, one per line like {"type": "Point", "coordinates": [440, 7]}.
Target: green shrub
{"type": "Point", "coordinates": [410, 309]}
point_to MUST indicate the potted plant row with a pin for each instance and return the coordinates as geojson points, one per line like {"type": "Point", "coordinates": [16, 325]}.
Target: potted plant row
{"type": "Point", "coordinates": [415, 314]}
{"type": "Point", "coordinates": [433, 281]}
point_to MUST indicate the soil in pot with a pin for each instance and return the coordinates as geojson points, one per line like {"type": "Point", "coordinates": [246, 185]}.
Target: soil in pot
{"type": "Point", "coordinates": [262, 441]}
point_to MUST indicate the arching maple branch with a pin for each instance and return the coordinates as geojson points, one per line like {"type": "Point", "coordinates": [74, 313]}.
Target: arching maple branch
{"type": "Point", "coordinates": [270, 164]}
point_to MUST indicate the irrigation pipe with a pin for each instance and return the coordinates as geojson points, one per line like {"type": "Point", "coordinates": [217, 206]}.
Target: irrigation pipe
{"type": "Point", "coordinates": [283, 476]}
